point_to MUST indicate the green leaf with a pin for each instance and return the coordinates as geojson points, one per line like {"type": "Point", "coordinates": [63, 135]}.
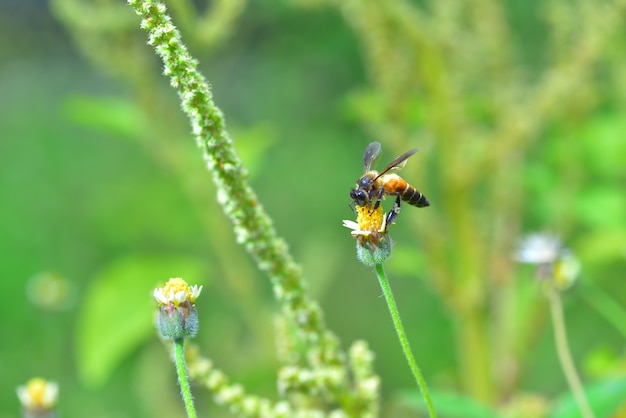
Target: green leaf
{"type": "Point", "coordinates": [449, 405]}
{"type": "Point", "coordinates": [605, 397]}
{"type": "Point", "coordinates": [116, 116]}
{"type": "Point", "coordinates": [117, 315]}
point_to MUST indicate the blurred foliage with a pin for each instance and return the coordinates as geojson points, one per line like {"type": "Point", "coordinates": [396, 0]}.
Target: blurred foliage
{"type": "Point", "coordinates": [518, 110]}
{"type": "Point", "coordinates": [607, 397]}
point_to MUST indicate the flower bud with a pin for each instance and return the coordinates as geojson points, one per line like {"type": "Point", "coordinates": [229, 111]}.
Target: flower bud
{"type": "Point", "coordinates": [38, 398]}
{"type": "Point", "coordinates": [177, 317]}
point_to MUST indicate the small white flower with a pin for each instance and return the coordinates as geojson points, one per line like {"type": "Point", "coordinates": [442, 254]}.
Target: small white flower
{"type": "Point", "coordinates": [176, 291]}
{"type": "Point", "coordinates": [539, 249]}
{"type": "Point", "coordinates": [177, 316]}
{"type": "Point", "coordinates": [38, 393]}
{"type": "Point", "coordinates": [553, 262]}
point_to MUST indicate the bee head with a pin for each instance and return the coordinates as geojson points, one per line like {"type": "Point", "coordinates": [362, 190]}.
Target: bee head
{"type": "Point", "coordinates": [359, 196]}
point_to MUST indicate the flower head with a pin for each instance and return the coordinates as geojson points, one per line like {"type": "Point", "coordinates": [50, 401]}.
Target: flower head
{"type": "Point", "coordinates": [370, 230]}
{"type": "Point", "coordinates": [538, 249]}
{"type": "Point", "coordinates": [38, 397]}
{"type": "Point", "coordinates": [177, 291]}
{"type": "Point", "coordinates": [370, 224]}
{"type": "Point", "coordinates": [178, 317]}
{"type": "Point", "coordinates": [554, 263]}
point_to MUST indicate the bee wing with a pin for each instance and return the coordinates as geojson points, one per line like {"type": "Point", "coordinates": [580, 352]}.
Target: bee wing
{"type": "Point", "coordinates": [399, 162]}
{"type": "Point", "coordinates": [372, 152]}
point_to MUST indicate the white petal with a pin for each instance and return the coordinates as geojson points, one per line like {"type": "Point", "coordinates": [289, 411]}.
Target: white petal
{"type": "Point", "coordinates": [195, 292]}
{"type": "Point", "coordinates": [159, 296]}
{"type": "Point", "coordinates": [350, 224]}
{"type": "Point", "coordinates": [538, 249]}
{"type": "Point", "coordinates": [179, 297]}
{"type": "Point", "coordinates": [24, 396]}
{"type": "Point", "coordinates": [51, 394]}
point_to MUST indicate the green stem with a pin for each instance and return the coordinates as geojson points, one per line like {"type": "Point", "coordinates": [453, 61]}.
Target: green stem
{"type": "Point", "coordinates": [185, 390]}
{"type": "Point", "coordinates": [564, 354]}
{"type": "Point", "coordinates": [404, 342]}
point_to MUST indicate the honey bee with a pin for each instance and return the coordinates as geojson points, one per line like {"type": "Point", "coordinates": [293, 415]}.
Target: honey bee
{"type": "Point", "coordinates": [373, 186]}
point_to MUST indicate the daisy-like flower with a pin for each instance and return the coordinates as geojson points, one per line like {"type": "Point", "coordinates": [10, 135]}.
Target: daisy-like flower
{"type": "Point", "coordinates": [554, 263]}
{"type": "Point", "coordinates": [370, 223]}
{"type": "Point", "coordinates": [538, 249]}
{"type": "Point", "coordinates": [178, 317]}
{"type": "Point", "coordinates": [373, 244]}
{"type": "Point", "coordinates": [177, 291]}
{"type": "Point", "coordinates": [38, 397]}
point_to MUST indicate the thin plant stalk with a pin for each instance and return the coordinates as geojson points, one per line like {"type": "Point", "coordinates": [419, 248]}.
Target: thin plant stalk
{"type": "Point", "coordinates": [564, 354]}
{"type": "Point", "coordinates": [185, 389]}
{"type": "Point", "coordinates": [404, 342]}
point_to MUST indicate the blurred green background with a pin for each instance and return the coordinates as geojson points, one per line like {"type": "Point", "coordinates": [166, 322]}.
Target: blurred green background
{"type": "Point", "coordinates": [518, 110]}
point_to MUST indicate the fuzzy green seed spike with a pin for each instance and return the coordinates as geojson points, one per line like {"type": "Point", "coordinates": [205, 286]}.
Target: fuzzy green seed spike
{"type": "Point", "coordinates": [252, 226]}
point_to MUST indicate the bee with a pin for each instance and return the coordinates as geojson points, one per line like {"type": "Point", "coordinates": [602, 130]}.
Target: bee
{"type": "Point", "coordinates": [373, 186]}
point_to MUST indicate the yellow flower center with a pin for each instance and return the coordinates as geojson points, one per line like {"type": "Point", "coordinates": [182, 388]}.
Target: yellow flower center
{"type": "Point", "coordinates": [173, 286]}
{"type": "Point", "coordinates": [368, 219]}
{"type": "Point", "coordinates": [38, 391]}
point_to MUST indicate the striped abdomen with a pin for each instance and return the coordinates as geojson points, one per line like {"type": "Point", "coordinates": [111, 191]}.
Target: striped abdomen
{"type": "Point", "coordinates": [396, 185]}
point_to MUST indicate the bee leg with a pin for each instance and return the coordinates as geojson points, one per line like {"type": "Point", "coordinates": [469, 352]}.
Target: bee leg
{"type": "Point", "coordinates": [395, 210]}
{"type": "Point", "coordinates": [379, 198]}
